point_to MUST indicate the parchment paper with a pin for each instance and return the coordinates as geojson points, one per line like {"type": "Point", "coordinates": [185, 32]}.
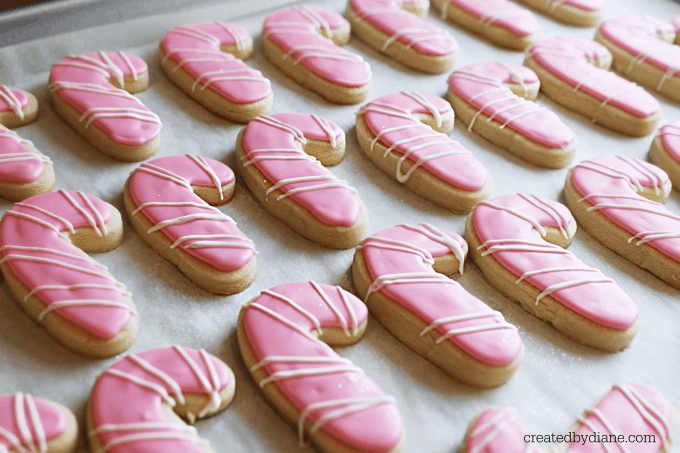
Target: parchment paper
{"type": "Point", "coordinates": [558, 377]}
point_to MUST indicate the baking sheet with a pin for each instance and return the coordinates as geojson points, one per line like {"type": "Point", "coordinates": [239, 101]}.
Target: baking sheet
{"type": "Point", "coordinates": [558, 377]}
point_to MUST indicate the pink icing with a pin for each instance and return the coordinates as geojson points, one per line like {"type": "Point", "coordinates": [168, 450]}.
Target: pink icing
{"type": "Point", "coordinates": [119, 401]}
{"type": "Point", "coordinates": [627, 419]}
{"type": "Point", "coordinates": [570, 59]}
{"type": "Point", "coordinates": [641, 37]}
{"type": "Point", "coordinates": [418, 34]}
{"type": "Point", "coordinates": [87, 89]}
{"type": "Point", "coordinates": [597, 298]}
{"type": "Point", "coordinates": [218, 71]}
{"type": "Point", "coordinates": [24, 237]}
{"type": "Point", "coordinates": [9, 98]}
{"type": "Point", "coordinates": [332, 206]}
{"type": "Point", "coordinates": [618, 179]}
{"type": "Point", "coordinates": [17, 162]}
{"type": "Point", "coordinates": [376, 429]}
{"type": "Point", "coordinates": [297, 32]}
{"type": "Point", "coordinates": [586, 5]}
{"type": "Point", "coordinates": [499, 13]}
{"type": "Point", "coordinates": [499, 430]}
{"type": "Point", "coordinates": [224, 253]}
{"type": "Point", "coordinates": [475, 85]}
{"type": "Point", "coordinates": [676, 23]}
{"type": "Point", "coordinates": [670, 138]}
{"type": "Point", "coordinates": [49, 420]}
{"type": "Point", "coordinates": [629, 410]}
{"type": "Point", "coordinates": [432, 301]}
{"type": "Point", "coordinates": [458, 168]}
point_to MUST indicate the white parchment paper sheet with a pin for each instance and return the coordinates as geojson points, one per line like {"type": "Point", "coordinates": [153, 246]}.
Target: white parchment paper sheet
{"type": "Point", "coordinates": [558, 377]}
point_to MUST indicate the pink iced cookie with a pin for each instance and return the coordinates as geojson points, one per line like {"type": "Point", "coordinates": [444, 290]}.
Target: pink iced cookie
{"type": "Point", "coordinates": [386, 25]}
{"type": "Point", "coordinates": [283, 336]}
{"type": "Point", "coordinates": [500, 21]}
{"type": "Point", "coordinates": [580, 13]}
{"type": "Point", "coordinates": [24, 171]}
{"type": "Point", "coordinates": [81, 305]}
{"type": "Point", "coordinates": [618, 200]}
{"type": "Point", "coordinates": [665, 151]}
{"type": "Point", "coordinates": [626, 412]}
{"type": "Point", "coordinates": [92, 92]}
{"type": "Point", "coordinates": [277, 157]}
{"type": "Point", "coordinates": [643, 49]}
{"type": "Point", "coordinates": [400, 273]}
{"type": "Point", "coordinates": [130, 405]}
{"type": "Point", "coordinates": [519, 243]}
{"type": "Point", "coordinates": [304, 42]}
{"type": "Point", "coordinates": [574, 72]}
{"type": "Point", "coordinates": [204, 60]}
{"type": "Point", "coordinates": [30, 424]}
{"type": "Point", "coordinates": [170, 204]}
{"type": "Point", "coordinates": [406, 135]}
{"type": "Point", "coordinates": [495, 100]}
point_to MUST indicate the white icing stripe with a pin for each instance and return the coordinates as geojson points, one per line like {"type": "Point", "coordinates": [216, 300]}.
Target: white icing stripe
{"type": "Point", "coordinates": [83, 303]}
{"type": "Point", "coordinates": [93, 88]}
{"type": "Point", "coordinates": [84, 213]}
{"type": "Point", "coordinates": [22, 423]}
{"type": "Point", "coordinates": [127, 61]}
{"type": "Point", "coordinates": [16, 157]}
{"type": "Point", "coordinates": [394, 244]}
{"type": "Point", "coordinates": [528, 274]}
{"type": "Point", "coordinates": [203, 164]}
{"type": "Point", "coordinates": [653, 236]}
{"type": "Point", "coordinates": [77, 286]}
{"type": "Point", "coordinates": [37, 259]}
{"type": "Point", "coordinates": [352, 405]}
{"type": "Point", "coordinates": [432, 34]}
{"type": "Point", "coordinates": [248, 243]}
{"type": "Point", "coordinates": [173, 204]}
{"type": "Point", "coordinates": [302, 372]}
{"type": "Point", "coordinates": [8, 96]}
{"type": "Point", "coordinates": [84, 66]}
{"type": "Point", "coordinates": [190, 218]}
{"type": "Point", "coordinates": [226, 78]}
{"type": "Point", "coordinates": [331, 305]}
{"type": "Point", "coordinates": [283, 320]}
{"type": "Point", "coordinates": [160, 390]}
{"type": "Point", "coordinates": [571, 283]}
{"type": "Point", "coordinates": [98, 216]}
{"type": "Point", "coordinates": [95, 113]}
{"type": "Point", "coordinates": [450, 319]}
{"type": "Point", "coordinates": [327, 128]}
{"type": "Point", "coordinates": [271, 121]}
{"type": "Point", "coordinates": [408, 277]}
{"type": "Point", "coordinates": [211, 388]}
{"type": "Point", "coordinates": [509, 418]}
{"type": "Point", "coordinates": [292, 303]}
{"type": "Point", "coordinates": [298, 359]}
{"type": "Point", "coordinates": [396, 128]}
{"type": "Point", "coordinates": [233, 31]}
{"type": "Point", "coordinates": [65, 222]}
{"type": "Point", "coordinates": [142, 426]}
{"type": "Point", "coordinates": [492, 421]}
{"type": "Point", "coordinates": [350, 310]}
{"type": "Point", "coordinates": [148, 436]}
{"type": "Point", "coordinates": [436, 234]}
{"type": "Point", "coordinates": [612, 172]}
{"type": "Point", "coordinates": [160, 374]}
{"type": "Point", "coordinates": [516, 213]}
{"type": "Point", "coordinates": [163, 173]}
{"type": "Point", "coordinates": [422, 100]}
{"type": "Point", "coordinates": [56, 252]}
{"type": "Point", "coordinates": [552, 212]}
{"type": "Point", "coordinates": [644, 408]}
{"type": "Point", "coordinates": [38, 221]}
{"type": "Point", "coordinates": [14, 441]}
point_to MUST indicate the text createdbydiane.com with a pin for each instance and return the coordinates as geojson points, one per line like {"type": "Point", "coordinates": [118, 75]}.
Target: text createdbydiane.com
{"type": "Point", "coordinates": [594, 438]}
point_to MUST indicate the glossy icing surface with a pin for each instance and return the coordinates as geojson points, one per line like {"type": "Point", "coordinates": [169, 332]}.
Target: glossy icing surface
{"type": "Point", "coordinates": [610, 184]}
{"type": "Point", "coordinates": [196, 49]}
{"type": "Point", "coordinates": [648, 40]}
{"type": "Point", "coordinates": [17, 162]}
{"type": "Point", "coordinates": [570, 60]}
{"type": "Point", "coordinates": [499, 430]}
{"type": "Point", "coordinates": [505, 225]}
{"type": "Point", "coordinates": [407, 252]}
{"type": "Point", "coordinates": [483, 86]}
{"type": "Point", "coordinates": [416, 33]}
{"type": "Point", "coordinates": [313, 377]}
{"type": "Point", "coordinates": [162, 188]}
{"type": "Point", "coordinates": [13, 100]}
{"type": "Point", "coordinates": [298, 32]}
{"type": "Point", "coordinates": [33, 245]}
{"type": "Point", "coordinates": [27, 423]}
{"type": "Point", "coordinates": [501, 13]}
{"type": "Point", "coordinates": [83, 82]}
{"type": "Point", "coordinates": [391, 120]}
{"type": "Point", "coordinates": [274, 143]}
{"type": "Point", "coordinates": [128, 399]}
{"type": "Point", "coordinates": [670, 138]}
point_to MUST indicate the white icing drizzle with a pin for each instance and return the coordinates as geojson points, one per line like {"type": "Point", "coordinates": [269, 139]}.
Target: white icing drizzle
{"type": "Point", "coordinates": [19, 157]}
{"type": "Point", "coordinates": [336, 312]}
{"type": "Point", "coordinates": [327, 128]}
{"type": "Point", "coordinates": [211, 386]}
{"type": "Point", "coordinates": [407, 277]}
{"type": "Point", "coordinates": [107, 65]}
{"type": "Point", "coordinates": [119, 287]}
{"type": "Point", "coordinates": [39, 444]}
{"type": "Point", "coordinates": [127, 61]}
{"type": "Point", "coordinates": [438, 235]}
{"type": "Point", "coordinates": [95, 225]}
{"type": "Point", "coordinates": [597, 413]}
{"type": "Point", "coordinates": [648, 236]}
{"type": "Point", "coordinates": [190, 218]}
{"type": "Point", "coordinates": [399, 246]}
{"type": "Point", "coordinates": [196, 33]}
{"type": "Point", "coordinates": [233, 31]}
{"type": "Point", "coordinates": [465, 317]}
{"type": "Point", "coordinates": [500, 422]}
{"type": "Point", "coordinates": [422, 100]}
{"type": "Point", "coordinates": [493, 16]}
{"type": "Point", "coordinates": [647, 411]}
{"type": "Point", "coordinates": [205, 166]}
{"type": "Point", "coordinates": [432, 35]}
{"type": "Point", "coordinates": [516, 213]}
{"type": "Point", "coordinates": [38, 221]}
{"type": "Point", "coordinates": [118, 112]}
{"type": "Point", "coordinates": [517, 245]}
{"type": "Point", "coordinates": [315, 18]}
{"type": "Point", "coordinates": [557, 216]}
{"type": "Point", "coordinates": [336, 183]}
{"type": "Point", "coordinates": [271, 121]}
{"type": "Point", "coordinates": [292, 303]}
{"type": "Point", "coordinates": [163, 173]}
{"type": "Point", "coordinates": [172, 203]}
{"type": "Point", "coordinates": [92, 88]}
{"type": "Point", "coordinates": [11, 100]}
{"type": "Point", "coordinates": [83, 303]}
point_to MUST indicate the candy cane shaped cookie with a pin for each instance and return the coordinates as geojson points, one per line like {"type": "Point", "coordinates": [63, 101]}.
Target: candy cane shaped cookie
{"type": "Point", "coordinates": [168, 201]}
{"type": "Point", "coordinates": [406, 135]}
{"type": "Point", "coordinates": [618, 200]}
{"type": "Point", "coordinates": [29, 424]}
{"type": "Point", "coordinates": [499, 21]}
{"type": "Point", "coordinates": [277, 157]}
{"type": "Point", "coordinates": [643, 49]}
{"type": "Point", "coordinates": [284, 336]}
{"type": "Point", "coordinates": [625, 413]}
{"type": "Point", "coordinates": [92, 93]}
{"type": "Point", "coordinates": [204, 60]}
{"type": "Point", "coordinates": [304, 42]}
{"type": "Point", "coordinates": [580, 13]}
{"type": "Point", "coordinates": [494, 100]}
{"type": "Point", "coordinates": [24, 171]}
{"type": "Point", "coordinates": [386, 25]}
{"type": "Point", "coordinates": [574, 72]}
{"type": "Point", "coordinates": [80, 304]}
{"type": "Point", "coordinates": [518, 242]}
{"type": "Point", "coordinates": [399, 274]}
{"type": "Point", "coordinates": [131, 405]}
{"type": "Point", "coordinates": [665, 151]}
